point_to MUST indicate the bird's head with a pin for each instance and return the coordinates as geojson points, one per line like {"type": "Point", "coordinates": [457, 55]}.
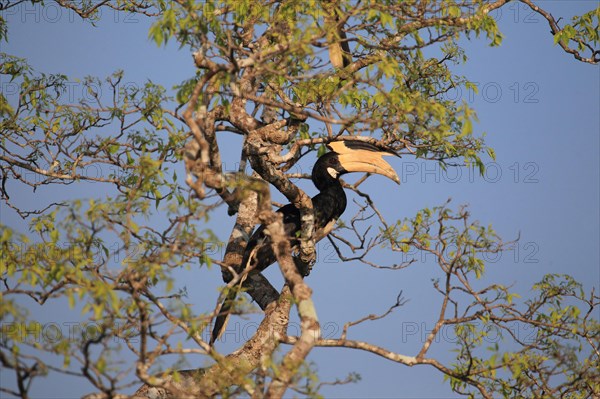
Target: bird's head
{"type": "Point", "coordinates": [355, 156]}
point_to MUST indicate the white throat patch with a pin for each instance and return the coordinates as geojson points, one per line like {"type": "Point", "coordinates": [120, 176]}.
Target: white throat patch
{"type": "Point", "coordinates": [332, 172]}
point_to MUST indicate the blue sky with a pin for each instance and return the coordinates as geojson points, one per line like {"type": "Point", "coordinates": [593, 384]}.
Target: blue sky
{"type": "Point", "coordinates": [539, 108]}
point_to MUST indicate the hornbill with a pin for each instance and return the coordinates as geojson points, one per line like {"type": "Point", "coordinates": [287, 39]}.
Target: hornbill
{"type": "Point", "coordinates": [345, 157]}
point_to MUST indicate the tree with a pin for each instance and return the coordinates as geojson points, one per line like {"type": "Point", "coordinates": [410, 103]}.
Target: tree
{"type": "Point", "coordinates": [287, 77]}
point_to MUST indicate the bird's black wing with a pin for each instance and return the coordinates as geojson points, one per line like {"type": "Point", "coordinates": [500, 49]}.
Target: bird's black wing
{"type": "Point", "coordinates": [259, 253]}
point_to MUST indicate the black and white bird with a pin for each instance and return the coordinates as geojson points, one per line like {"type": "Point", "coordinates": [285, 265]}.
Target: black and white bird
{"type": "Point", "coordinates": [345, 157]}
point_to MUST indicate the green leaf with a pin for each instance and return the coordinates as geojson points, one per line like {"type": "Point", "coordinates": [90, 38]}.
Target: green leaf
{"type": "Point", "coordinates": [454, 11]}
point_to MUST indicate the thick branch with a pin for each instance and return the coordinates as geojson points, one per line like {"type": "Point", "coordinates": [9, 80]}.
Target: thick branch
{"type": "Point", "coordinates": [233, 369]}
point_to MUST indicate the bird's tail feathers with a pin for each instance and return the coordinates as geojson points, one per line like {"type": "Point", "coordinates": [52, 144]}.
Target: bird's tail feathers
{"type": "Point", "coordinates": [224, 310]}
{"type": "Point", "coordinates": [223, 314]}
